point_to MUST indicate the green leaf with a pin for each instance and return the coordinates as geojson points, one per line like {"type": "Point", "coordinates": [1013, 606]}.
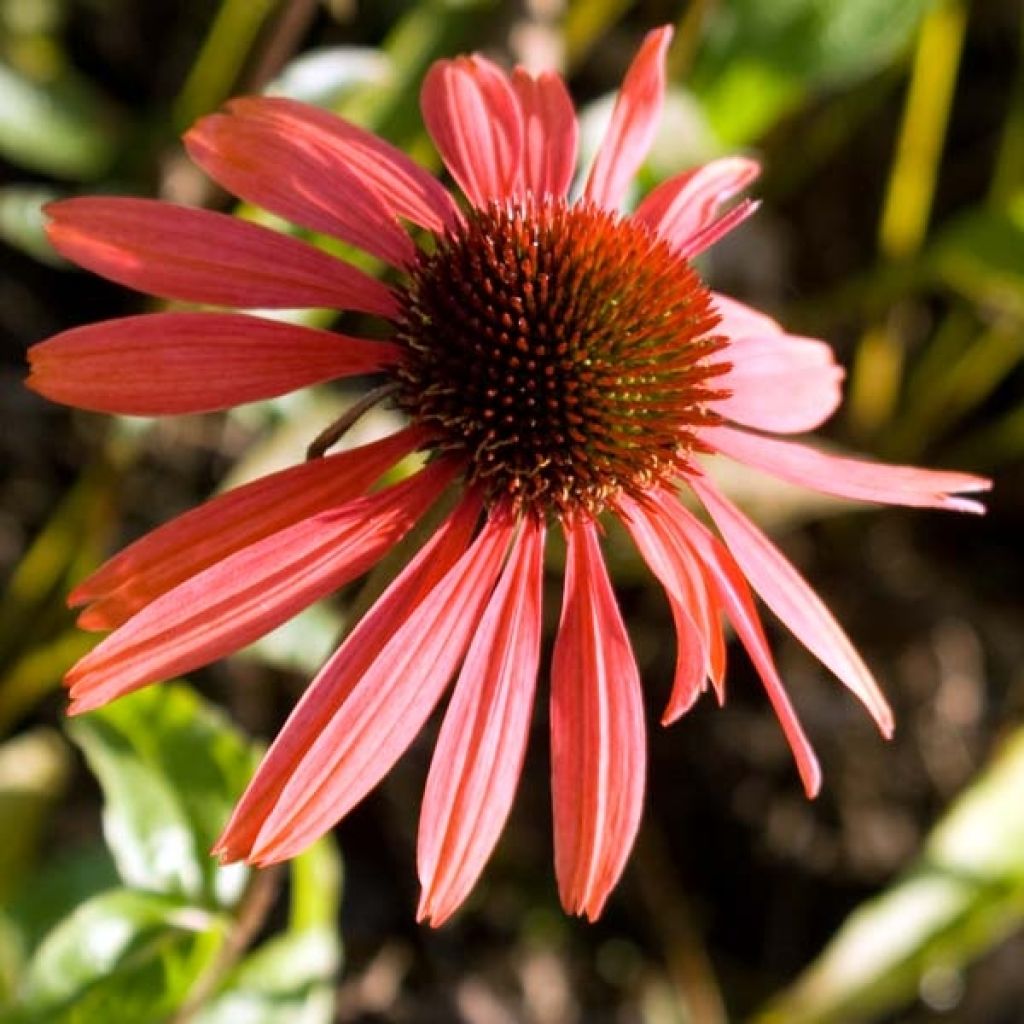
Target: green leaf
{"type": "Point", "coordinates": [122, 956]}
{"type": "Point", "coordinates": [171, 769]}
{"type": "Point", "coordinates": [289, 978]}
{"type": "Point", "coordinates": [59, 126]}
{"type": "Point", "coordinates": [760, 59]}
{"type": "Point", "coordinates": [963, 895]}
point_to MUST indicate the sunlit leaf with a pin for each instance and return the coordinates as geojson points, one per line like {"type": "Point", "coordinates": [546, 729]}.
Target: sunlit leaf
{"type": "Point", "coordinates": [171, 769]}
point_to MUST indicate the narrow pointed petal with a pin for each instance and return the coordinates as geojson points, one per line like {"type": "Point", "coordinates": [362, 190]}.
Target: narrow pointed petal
{"type": "Point", "coordinates": [249, 593]}
{"type": "Point", "coordinates": [688, 604]}
{"type": "Point", "coordinates": [176, 252]}
{"type": "Point", "coordinates": [480, 750]}
{"type": "Point", "coordinates": [786, 592]}
{"type": "Point", "coordinates": [681, 207]}
{"type": "Point", "coordinates": [203, 536]}
{"type": "Point", "coordinates": [598, 749]}
{"type": "Point", "coordinates": [779, 382]}
{"type": "Point", "coordinates": [404, 186]}
{"type": "Point", "coordinates": [726, 577]}
{"type": "Point", "coordinates": [338, 678]}
{"type": "Point", "coordinates": [633, 124]}
{"type": "Point", "coordinates": [168, 363]}
{"type": "Point", "coordinates": [550, 132]}
{"type": "Point", "coordinates": [473, 117]}
{"type": "Point", "coordinates": [260, 162]}
{"type": "Point", "coordinates": [388, 705]}
{"type": "Point", "coordinates": [849, 478]}
{"type": "Point", "coordinates": [717, 230]}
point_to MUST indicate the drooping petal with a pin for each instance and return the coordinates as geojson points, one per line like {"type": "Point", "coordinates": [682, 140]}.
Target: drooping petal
{"type": "Point", "coordinates": [550, 132]}
{"type": "Point", "coordinates": [165, 363]}
{"type": "Point", "coordinates": [786, 592]}
{"type": "Point", "coordinates": [258, 161]}
{"type": "Point", "coordinates": [700, 652]}
{"type": "Point", "coordinates": [633, 124]}
{"type": "Point", "coordinates": [185, 546]}
{"type": "Point", "coordinates": [339, 676]}
{"type": "Point", "coordinates": [848, 478]}
{"type": "Point", "coordinates": [387, 707]}
{"type": "Point", "coordinates": [738, 320]}
{"type": "Point", "coordinates": [779, 382]}
{"type": "Point", "coordinates": [726, 577]}
{"type": "Point", "coordinates": [249, 593]}
{"type": "Point", "coordinates": [404, 186]}
{"type": "Point", "coordinates": [473, 117]}
{"type": "Point", "coordinates": [480, 750]}
{"type": "Point", "coordinates": [678, 209]}
{"type": "Point", "coordinates": [598, 752]}
{"type": "Point", "coordinates": [176, 252]}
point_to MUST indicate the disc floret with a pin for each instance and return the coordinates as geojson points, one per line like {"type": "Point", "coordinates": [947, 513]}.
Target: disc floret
{"type": "Point", "coordinates": [564, 352]}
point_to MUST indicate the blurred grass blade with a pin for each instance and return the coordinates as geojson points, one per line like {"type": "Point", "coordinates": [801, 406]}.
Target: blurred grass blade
{"type": "Point", "coordinates": [586, 21]}
{"type": "Point", "coordinates": [33, 773]}
{"type": "Point", "coordinates": [224, 53]}
{"type": "Point", "coordinates": [21, 221]}
{"type": "Point", "coordinates": [964, 895]}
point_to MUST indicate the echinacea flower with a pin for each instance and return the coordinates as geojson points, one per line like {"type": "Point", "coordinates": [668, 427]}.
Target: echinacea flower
{"type": "Point", "coordinates": [557, 361]}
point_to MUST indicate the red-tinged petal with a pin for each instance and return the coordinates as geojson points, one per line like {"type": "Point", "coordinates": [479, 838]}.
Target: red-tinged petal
{"type": "Point", "coordinates": [727, 579]}
{"type": "Point", "coordinates": [176, 252]}
{"type": "Point", "coordinates": [389, 703]}
{"type": "Point", "coordinates": [717, 230]}
{"type": "Point", "coordinates": [598, 748]}
{"type": "Point", "coordinates": [479, 752]}
{"type": "Point", "coordinates": [264, 164]}
{"type": "Point", "coordinates": [473, 117]}
{"type": "Point", "coordinates": [633, 124]}
{"type": "Point", "coordinates": [550, 132]}
{"type": "Point", "coordinates": [166, 363]}
{"type": "Point", "coordinates": [404, 186]}
{"type": "Point", "coordinates": [185, 546]}
{"type": "Point", "coordinates": [786, 592]}
{"type": "Point", "coordinates": [779, 382]}
{"type": "Point", "coordinates": [849, 478]}
{"type": "Point", "coordinates": [684, 205]}
{"type": "Point", "coordinates": [249, 593]}
{"type": "Point", "coordinates": [340, 675]}
{"type": "Point", "coordinates": [687, 598]}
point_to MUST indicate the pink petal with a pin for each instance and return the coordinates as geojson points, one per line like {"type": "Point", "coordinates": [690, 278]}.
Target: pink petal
{"type": "Point", "coordinates": [684, 205]}
{"type": "Point", "coordinates": [338, 678]}
{"type": "Point", "coordinates": [387, 707]}
{"type": "Point", "coordinates": [479, 753]}
{"type": "Point", "coordinates": [166, 363]}
{"type": "Point", "coordinates": [249, 593]}
{"type": "Point", "coordinates": [688, 600]}
{"type": "Point", "coordinates": [848, 478]}
{"type": "Point", "coordinates": [405, 187]}
{"type": "Point", "coordinates": [265, 163]}
{"type": "Point", "coordinates": [473, 117]}
{"type": "Point", "coordinates": [737, 320]}
{"type": "Point", "coordinates": [550, 132]}
{"type": "Point", "coordinates": [786, 592]}
{"type": "Point", "coordinates": [598, 751]}
{"type": "Point", "coordinates": [633, 124]}
{"type": "Point", "coordinates": [192, 542]}
{"type": "Point", "coordinates": [176, 252]}
{"type": "Point", "coordinates": [726, 578]}
{"type": "Point", "coordinates": [779, 382]}
{"type": "Point", "coordinates": [714, 232]}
